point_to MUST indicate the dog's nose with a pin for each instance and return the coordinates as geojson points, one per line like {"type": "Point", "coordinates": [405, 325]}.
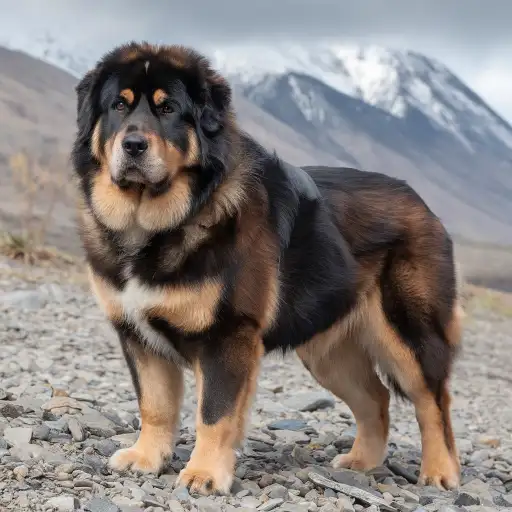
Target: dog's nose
{"type": "Point", "coordinates": [135, 144]}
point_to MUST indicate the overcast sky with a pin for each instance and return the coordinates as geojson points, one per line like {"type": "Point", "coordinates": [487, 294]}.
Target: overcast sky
{"type": "Point", "coordinates": [472, 37]}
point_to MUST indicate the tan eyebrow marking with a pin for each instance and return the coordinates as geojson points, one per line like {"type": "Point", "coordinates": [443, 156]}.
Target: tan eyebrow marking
{"type": "Point", "coordinates": [159, 96]}
{"type": "Point", "coordinates": [128, 95]}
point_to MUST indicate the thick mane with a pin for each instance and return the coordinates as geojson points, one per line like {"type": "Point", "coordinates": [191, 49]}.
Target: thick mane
{"type": "Point", "coordinates": [210, 115]}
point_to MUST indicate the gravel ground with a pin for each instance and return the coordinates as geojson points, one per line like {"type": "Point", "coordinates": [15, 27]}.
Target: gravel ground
{"type": "Point", "coordinates": [67, 403]}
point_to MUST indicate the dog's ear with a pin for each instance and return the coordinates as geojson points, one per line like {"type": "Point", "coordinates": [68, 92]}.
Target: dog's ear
{"type": "Point", "coordinates": [218, 101]}
{"type": "Point", "coordinates": [86, 108]}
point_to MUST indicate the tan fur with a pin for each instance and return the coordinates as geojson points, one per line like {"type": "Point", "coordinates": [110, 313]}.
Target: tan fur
{"type": "Point", "coordinates": [115, 208]}
{"type": "Point", "coordinates": [159, 96]}
{"type": "Point", "coordinates": [438, 467]}
{"type": "Point", "coordinates": [227, 199]}
{"type": "Point", "coordinates": [161, 392]}
{"type": "Point", "coordinates": [190, 309]}
{"type": "Point", "coordinates": [105, 296]}
{"type": "Point", "coordinates": [193, 153]}
{"type": "Point", "coordinates": [89, 232]}
{"type": "Point", "coordinates": [127, 94]}
{"type": "Point", "coordinates": [95, 141]}
{"type": "Point", "coordinates": [454, 328]}
{"type": "Point", "coordinates": [173, 156]}
{"type": "Point", "coordinates": [166, 210]}
{"type": "Point", "coordinates": [338, 361]}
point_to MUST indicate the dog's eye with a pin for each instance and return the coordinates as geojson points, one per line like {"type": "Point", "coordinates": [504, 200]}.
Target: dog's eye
{"type": "Point", "coordinates": [166, 108]}
{"type": "Point", "coordinates": [119, 105]}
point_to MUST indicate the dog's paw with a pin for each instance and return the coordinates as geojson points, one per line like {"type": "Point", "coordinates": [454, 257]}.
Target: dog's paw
{"type": "Point", "coordinates": [445, 479]}
{"type": "Point", "coordinates": [215, 480]}
{"type": "Point", "coordinates": [144, 461]}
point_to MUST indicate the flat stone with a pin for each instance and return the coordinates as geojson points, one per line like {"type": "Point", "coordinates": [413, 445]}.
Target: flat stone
{"type": "Point", "coordinates": [97, 424]}
{"type": "Point", "coordinates": [182, 453]}
{"type": "Point", "coordinates": [465, 499]}
{"type": "Point", "coordinates": [347, 439]}
{"type": "Point", "coordinates": [251, 486]}
{"type": "Point", "coordinates": [310, 401]}
{"type": "Point", "coordinates": [60, 405]}
{"type": "Point", "coordinates": [106, 447]}
{"type": "Point", "coordinates": [126, 440]}
{"type": "Point", "coordinates": [330, 451]}
{"type": "Point", "coordinates": [296, 507]}
{"type": "Point", "coordinates": [380, 473]}
{"type": "Point", "coordinates": [271, 504]}
{"type": "Point", "coordinates": [16, 436]}
{"type": "Point", "coordinates": [479, 456]}
{"type": "Point", "coordinates": [302, 455]}
{"type": "Point", "coordinates": [101, 505]}
{"type": "Point", "coordinates": [8, 410]}
{"type": "Point", "coordinates": [64, 503]}
{"type": "Point", "coordinates": [76, 429]}
{"type": "Point", "coordinates": [394, 490]}
{"type": "Point", "coordinates": [204, 504]}
{"type": "Point", "coordinates": [60, 425]}
{"type": "Point", "coordinates": [180, 494]}
{"type": "Point", "coordinates": [250, 502]}
{"type": "Point", "coordinates": [276, 491]}
{"type": "Point", "coordinates": [350, 477]}
{"type": "Point", "coordinates": [41, 432]}
{"type": "Point", "coordinates": [175, 506]}
{"type": "Point", "coordinates": [401, 470]}
{"type": "Point", "coordinates": [83, 483]}
{"type": "Point", "coordinates": [290, 424]}
{"type": "Point", "coordinates": [330, 507]}
{"type": "Point", "coordinates": [168, 480]}
{"type": "Point", "coordinates": [290, 436]}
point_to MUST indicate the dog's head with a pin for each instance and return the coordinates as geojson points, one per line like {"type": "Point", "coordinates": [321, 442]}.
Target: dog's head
{"type": "Point", "coordinates": [151, 123]}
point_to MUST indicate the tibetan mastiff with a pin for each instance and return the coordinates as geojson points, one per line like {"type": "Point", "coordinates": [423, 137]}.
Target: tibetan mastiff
{"type": "Point", "coordinates": [207, 252]}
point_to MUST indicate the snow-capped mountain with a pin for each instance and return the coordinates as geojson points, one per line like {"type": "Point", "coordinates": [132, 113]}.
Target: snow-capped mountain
{"type": "Point", "coordinates": [60, 51]}
{"type": "Point", "coordinates": [397, 82]}
{"type": "Point", "coordinates": [384, 110]}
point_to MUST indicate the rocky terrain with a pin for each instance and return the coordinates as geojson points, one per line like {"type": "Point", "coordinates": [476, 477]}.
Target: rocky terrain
{"type": "Point", "coordinates": [67, 403]}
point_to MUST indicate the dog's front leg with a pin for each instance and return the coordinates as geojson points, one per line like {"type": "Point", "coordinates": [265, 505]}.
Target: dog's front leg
{"type": "Point", "coordinates": [226, 372]}
{"type": "Point", "coordinates": [159, 386]}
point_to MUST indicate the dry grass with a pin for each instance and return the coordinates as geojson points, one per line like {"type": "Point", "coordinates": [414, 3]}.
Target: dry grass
{"type": "Point", "coordinates": [39, 188]}
{"type": "Point", "coordinates": [479, 298]}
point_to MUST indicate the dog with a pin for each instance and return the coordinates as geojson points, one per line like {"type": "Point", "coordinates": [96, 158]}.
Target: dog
{"type": "Point", "coordinates": [206, 252]}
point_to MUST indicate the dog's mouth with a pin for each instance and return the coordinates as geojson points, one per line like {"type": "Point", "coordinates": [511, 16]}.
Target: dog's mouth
{"type": "Point", "coordinates": [134, 179]}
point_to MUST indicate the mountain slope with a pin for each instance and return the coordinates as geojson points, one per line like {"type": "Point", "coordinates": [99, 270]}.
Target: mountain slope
{"type": "Point", "coordinates": [396, 112]}
{"type": "Point", "coordinates": [397, 82]}
{"type": "Point", "coordinates": [368, 108]}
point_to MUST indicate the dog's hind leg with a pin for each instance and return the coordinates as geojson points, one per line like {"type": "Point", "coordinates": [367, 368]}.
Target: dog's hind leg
{"type": "Point", "coordinates": [340, 364]}
{"type": "Point", "coordinates": [422, 376]}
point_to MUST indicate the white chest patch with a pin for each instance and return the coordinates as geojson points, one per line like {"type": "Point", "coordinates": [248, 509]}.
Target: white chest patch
{"type": "Point", "coordinates": [136, 299]}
